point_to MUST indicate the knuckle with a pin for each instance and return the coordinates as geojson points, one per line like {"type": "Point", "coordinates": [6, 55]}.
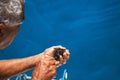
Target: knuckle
{"type": "Point", "coordinates": [54, 72]}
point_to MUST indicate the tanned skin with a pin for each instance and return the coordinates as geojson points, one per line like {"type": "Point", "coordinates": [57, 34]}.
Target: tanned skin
{"type": "Point", "coordinates": [44, 64]}
{"type": "Point", "coordinates": [46, 68]}
{"type": "Point", "coordinates": [9, 68]}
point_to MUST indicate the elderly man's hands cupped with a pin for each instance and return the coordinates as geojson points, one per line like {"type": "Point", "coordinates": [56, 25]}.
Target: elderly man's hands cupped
{"type": "Point", "coordinates": [50, 55]}
{"type": "Point", "coordinates": [46, 68]}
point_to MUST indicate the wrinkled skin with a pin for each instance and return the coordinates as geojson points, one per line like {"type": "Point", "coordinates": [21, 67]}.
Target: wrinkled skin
{"type": "Point", "coordinates": [44, 64]}
{"type": "Point", "coordinates": [7, 34]}
{"type": "Point", "coordinates": [46, 68]}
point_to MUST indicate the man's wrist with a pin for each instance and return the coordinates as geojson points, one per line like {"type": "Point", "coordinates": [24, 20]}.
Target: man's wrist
{"type": "Point", "coordinates": [34, 60]}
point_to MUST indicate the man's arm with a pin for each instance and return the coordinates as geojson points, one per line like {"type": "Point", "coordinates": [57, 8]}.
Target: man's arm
{"type": "Point", "coordinates": [9, 68]}
{"type": "Point", "coordinates": [45, 69]}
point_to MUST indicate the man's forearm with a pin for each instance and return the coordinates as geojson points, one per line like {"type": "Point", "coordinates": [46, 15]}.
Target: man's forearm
{"type": "Point", "coordinates": [12, 67]}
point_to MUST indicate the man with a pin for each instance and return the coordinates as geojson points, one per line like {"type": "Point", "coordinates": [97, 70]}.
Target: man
{"type": "Point", "coordinates": [11, 15]}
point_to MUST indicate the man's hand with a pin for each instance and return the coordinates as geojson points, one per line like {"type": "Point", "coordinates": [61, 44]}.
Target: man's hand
{"type": "Point", "coordinates": [46, 68]}
{"type": "Point", "coordinates": [49, 54]}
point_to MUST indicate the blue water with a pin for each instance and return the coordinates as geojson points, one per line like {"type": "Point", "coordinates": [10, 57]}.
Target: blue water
{"type": "Point", "coordinates": [90, 29]}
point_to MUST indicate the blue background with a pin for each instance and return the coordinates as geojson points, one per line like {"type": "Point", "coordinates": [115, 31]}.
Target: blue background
{"type": "Point", "coordinates": [90, 29]}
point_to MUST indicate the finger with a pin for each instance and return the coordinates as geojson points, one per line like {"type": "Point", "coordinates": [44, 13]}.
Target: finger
{"type": "Point", "coordinates": [52, 67]}
{"type": "Point", "coordinates": [61, 59]}
{"type": "Point", "coordinates": [52, 74]}
{"type": "Point", "coordinates": [57, 63]}
{"type": "Point", "coordinates": [59, 46]}
{"type": "Point", "coordinates": [52, 62]}
{"type": "Point", "coordinates": [67, 53]}
{"type": "Point", "coordinates": [66, 56]}
{"type": "Point", "coordinates": [53, 47]}
{"type": "Point", "coordinates": [49, 51]}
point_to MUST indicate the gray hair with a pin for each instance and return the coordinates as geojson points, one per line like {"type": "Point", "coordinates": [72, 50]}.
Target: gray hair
{"type": "Point", "coordinates": [11, 12]}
